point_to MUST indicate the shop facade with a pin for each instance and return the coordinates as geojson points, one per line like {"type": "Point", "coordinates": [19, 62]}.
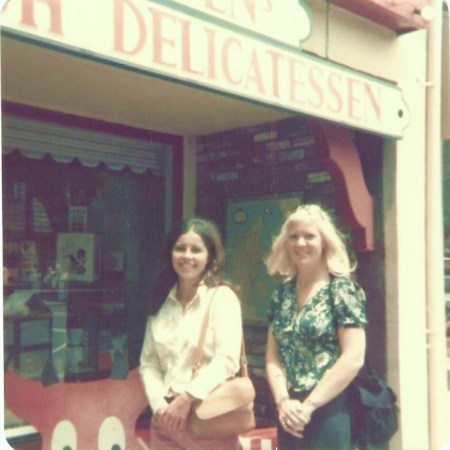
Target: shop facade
{"type": "Point", "coordinates": [166, 109]}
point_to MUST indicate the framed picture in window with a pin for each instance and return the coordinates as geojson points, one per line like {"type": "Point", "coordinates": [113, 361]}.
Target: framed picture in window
{"type": "Point", "coordinates": [79, 255]}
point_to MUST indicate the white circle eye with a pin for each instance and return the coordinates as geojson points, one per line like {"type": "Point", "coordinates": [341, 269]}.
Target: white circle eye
{"type": "Point", "coordinates": [111, 435]}
{"type": "Point", "coordinates": [64, 436]}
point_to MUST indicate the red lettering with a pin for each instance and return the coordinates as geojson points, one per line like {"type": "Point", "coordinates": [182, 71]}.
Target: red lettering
{"type": "Point", "coordinates": [296, 86]}
{"type": "Point", "coordinates": [211, 49]}
{"type": "Point", "coordinates": [249, 6]}
{"type": "Point", "coordinates": [374, 102]}
{"type": "Point", "coordinates": [119, 13]}
{"type": "Point", "coordinates": [226, 59]}
{"type": "Point", "coordinates": [186, 47]}
{"type": "Point", "coordinates": [210, 4]}
{"type": "Point", "coordinates": [316, 86]}
{"type": "Point", "coordinates": [333, 79]}
{"type": "Point", "coordinates": [353, 100]}
{"type": "Point", "coordinates": [55, 14]}
{"type": "Point", "coordinates": [160, 43]}
{"type": "Point", "coordinates": [229, 9]}
{"type": "Point", "coordinates": [275, 72]}
{"type": "Point", "coordinates": [254, 73]}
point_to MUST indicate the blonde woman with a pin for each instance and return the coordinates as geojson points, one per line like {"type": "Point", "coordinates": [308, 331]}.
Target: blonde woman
{"type": "Point", "coordinates": [316, 338]}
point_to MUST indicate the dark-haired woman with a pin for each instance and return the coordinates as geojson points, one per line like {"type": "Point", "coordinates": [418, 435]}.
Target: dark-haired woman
{"type": "Point", "coordinates": [188, 282]}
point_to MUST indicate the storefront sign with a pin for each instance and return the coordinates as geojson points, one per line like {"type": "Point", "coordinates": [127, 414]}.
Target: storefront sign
{"type": "Point", "coordinates": [285, 21]}
{"type": "Point", "coordinates": [173, 41]}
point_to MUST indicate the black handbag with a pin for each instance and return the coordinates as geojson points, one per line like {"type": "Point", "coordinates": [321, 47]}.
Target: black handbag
{"type": "Point", "coordinates": [373, 406]}
{"type": "Point", "coordinates": [374, 412]}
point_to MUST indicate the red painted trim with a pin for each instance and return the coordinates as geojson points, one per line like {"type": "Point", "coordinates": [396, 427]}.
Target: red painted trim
{"type": "Point", "coordinates": [354, 204]}
{"type": "Point", "coordinates": [400, 16]}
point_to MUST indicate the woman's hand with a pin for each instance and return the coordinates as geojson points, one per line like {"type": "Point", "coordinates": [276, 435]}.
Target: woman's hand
{"type": "Point", "coordinates": [293, 417]}
{"type": "Point", "coordinates": [174, 415]}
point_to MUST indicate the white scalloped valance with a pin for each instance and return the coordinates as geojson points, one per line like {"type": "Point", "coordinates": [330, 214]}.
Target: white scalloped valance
{"type": "Point", "coordinates": [34, 139]}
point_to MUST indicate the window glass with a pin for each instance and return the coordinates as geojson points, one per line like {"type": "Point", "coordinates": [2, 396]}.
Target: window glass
{"type": "Point", "coordinates": [79, 248]}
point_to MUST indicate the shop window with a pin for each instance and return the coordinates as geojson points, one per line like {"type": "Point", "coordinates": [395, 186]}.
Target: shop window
{"type": "Point", "coordinates": [79, 249]}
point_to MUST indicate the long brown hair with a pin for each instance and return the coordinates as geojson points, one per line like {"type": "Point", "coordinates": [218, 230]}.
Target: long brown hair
{"type": "Point", "coordinates": [166, 277]}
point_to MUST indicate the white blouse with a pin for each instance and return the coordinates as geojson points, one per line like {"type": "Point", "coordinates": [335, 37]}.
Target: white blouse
{"type": "Point", "coordinates": [171, 338]}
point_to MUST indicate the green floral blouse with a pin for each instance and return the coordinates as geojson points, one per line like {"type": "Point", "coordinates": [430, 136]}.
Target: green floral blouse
{"type": "Point", "coordinates": [307, 340]}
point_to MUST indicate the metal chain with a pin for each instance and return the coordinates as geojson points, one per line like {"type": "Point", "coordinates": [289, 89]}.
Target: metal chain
{"type": "Point", "coordinates": [327, 28]}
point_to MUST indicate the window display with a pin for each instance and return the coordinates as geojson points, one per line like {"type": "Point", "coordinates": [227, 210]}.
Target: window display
{"type": "Point", "coordinates": [79, 246]}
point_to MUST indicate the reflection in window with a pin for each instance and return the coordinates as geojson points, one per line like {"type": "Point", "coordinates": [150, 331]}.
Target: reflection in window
{"type": "Point", "coordinates": [61, 328]}
{"type": "Point", "coordinates": [14, 206]}
{"type": "Point", "coordinates": [41, 224]}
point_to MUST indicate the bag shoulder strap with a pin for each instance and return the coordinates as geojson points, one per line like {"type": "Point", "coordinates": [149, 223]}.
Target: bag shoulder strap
{"type": "Point", "coordinates": [201, 341]}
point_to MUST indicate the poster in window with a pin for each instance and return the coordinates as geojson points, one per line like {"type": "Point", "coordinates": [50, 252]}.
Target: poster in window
{"type": "Point", "coordinates": [79, 255]}
{"type": "Point", "coordinates": [251, 226]}
{"type": "Point", "coordinates": [77, 218]}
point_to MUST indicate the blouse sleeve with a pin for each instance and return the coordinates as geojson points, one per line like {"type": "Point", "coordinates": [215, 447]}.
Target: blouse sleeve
{"type": "Point", "coordinates": [349, 303]}
{"type": "Point", "coordinates": [150, 371]}
{"type": "Point", "coordinates": [226, 321]}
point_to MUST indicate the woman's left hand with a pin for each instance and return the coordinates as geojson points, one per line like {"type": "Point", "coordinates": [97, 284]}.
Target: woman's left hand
{"type": "Point", "coordinates": [174, 417]}
{"type": "Point", "coordinates": [292, 417]}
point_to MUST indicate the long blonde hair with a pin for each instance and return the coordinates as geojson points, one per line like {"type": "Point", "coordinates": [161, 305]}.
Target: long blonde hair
{"type": "Point", "coordinates": [335, 251]}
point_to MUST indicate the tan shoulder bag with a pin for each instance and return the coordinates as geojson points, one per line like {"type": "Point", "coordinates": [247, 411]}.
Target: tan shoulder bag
{"type": "Point", "coordinates": [228, 409]}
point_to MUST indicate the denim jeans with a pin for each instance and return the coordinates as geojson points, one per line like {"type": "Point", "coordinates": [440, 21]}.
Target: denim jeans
{"type": "Point", "coordinates": [329, 428]}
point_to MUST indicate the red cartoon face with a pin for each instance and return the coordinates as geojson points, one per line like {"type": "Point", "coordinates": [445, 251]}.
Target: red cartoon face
{"type": "Point", "coordinates": [95, 415]}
